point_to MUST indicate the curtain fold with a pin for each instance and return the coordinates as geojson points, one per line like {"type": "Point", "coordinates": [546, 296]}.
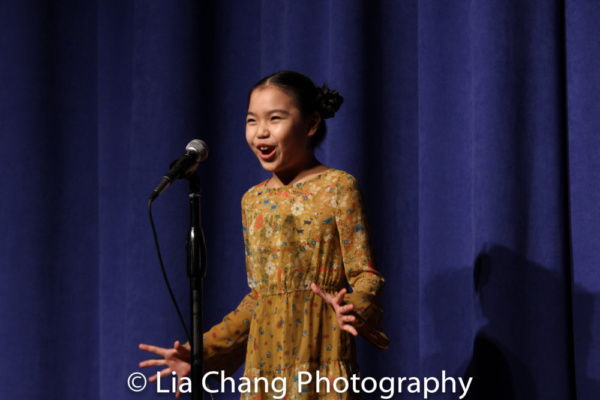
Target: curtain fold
{"type": "Point", "coordinates": [582, 23]}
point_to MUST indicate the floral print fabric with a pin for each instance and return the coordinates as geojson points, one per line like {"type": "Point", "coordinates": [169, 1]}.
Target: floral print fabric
{"type": "Point", "coordinates": [314, 231]}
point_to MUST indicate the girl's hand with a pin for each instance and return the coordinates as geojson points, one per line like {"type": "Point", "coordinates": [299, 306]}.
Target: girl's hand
{"type": "Point", "coordinates": [342, 310]}
{"type": "Point", "coordinates": [176, 359]}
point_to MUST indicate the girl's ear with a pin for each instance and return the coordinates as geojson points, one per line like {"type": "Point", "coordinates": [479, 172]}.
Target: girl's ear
{"type": "Point", "coordinates": [313, 123]}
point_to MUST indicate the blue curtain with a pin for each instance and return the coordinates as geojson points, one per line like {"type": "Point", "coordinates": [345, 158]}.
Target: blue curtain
{"type": "Point", "coordinates": [472, 126]}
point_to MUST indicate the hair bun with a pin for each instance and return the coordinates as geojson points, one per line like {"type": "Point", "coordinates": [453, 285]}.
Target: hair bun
{"type": "Point", "coordinates": [328, 102]}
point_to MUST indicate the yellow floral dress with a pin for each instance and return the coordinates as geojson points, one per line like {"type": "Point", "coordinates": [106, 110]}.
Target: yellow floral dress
{"type": "Point", "coordinates": [314, 231]}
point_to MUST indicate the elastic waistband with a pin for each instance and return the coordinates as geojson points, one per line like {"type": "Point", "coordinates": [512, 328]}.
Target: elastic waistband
{"type": "Point", "coordinates": [292, 291]}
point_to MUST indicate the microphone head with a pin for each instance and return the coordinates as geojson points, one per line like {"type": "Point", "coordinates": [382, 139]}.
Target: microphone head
{"type": "Point", "coordinates": [199, 147]}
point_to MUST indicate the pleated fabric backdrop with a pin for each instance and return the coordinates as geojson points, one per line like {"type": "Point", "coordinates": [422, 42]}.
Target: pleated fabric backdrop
{"type": "Point", "coordinates": [472, 126]}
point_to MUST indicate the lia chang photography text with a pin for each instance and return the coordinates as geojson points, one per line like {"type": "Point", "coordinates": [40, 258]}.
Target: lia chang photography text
{"type": "Point", "coordinates": [387, 387]}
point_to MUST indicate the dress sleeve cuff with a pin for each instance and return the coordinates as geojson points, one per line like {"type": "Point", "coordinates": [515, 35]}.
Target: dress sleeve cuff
{"type": "Point", "coordinates": [369, 319]}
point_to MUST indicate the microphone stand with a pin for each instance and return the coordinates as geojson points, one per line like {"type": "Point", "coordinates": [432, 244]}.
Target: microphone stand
{"type": "Point", "coordinates": [196, 271]}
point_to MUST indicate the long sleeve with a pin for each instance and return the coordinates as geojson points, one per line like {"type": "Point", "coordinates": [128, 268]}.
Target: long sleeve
{"type": "Point", "coordinates": [359, 263]}
{"type": "Point", "coordinates": [225, 344]}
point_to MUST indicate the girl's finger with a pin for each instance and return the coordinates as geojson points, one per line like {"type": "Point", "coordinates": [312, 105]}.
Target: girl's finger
{"type": "Point", "coordinates": [163, 373]}
{"type": "Point", "coordinates": [316, 289]}
{"type": "Point", "coordinates": [152, 363]}
{"type": "Point", "coordinates": [349, 318]}
{"type": "Point", "coordinates": [342, 310]}
{"type": "Point", "coordinates": [350, 329]}
{"type": "Point", "coordinates": [339, 298]}
{"type": "Point", "coordinates": [182, 349]}
{"type": "Point", "coordinates": [345, 309]}
{"type": "Point", "coordinates": [152, 349]}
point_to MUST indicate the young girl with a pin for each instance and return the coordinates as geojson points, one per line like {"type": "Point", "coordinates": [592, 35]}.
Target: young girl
{"type": "Point", "coordinates": [307, 238]}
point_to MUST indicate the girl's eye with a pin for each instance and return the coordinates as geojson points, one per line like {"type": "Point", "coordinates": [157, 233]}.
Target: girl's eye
{"type": "Point", "coordinates": [249, 121]}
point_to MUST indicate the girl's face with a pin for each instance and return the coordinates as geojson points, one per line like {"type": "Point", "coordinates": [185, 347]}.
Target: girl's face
{"type": "Point", "coordinates": [277, 132]}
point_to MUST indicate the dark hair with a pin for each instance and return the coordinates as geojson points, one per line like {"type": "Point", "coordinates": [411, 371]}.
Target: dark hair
{"type": "Point", "coordinates": [308, 98]}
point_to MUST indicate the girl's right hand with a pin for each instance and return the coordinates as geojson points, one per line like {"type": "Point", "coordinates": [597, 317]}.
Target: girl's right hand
{"type": "Point", "coordinates": [176, 359]}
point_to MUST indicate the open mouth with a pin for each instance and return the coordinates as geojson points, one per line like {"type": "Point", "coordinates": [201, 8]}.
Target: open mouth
{"type": "Point", "coordinates": [266, 151]}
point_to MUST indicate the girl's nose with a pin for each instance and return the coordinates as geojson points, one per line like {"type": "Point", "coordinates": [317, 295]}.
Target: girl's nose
{"type": "Point", "coordinates": [262, 131]}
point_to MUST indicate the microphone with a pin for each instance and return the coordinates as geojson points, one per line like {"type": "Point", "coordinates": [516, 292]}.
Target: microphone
{"type": "Point", "coordinates": [196, 151]}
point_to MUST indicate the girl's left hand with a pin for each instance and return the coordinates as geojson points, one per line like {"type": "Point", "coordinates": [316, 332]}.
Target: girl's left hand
{"type": "Point", "coordinates": [342, 309]}
{"type": "Point", "coordinates": [175, 360]}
